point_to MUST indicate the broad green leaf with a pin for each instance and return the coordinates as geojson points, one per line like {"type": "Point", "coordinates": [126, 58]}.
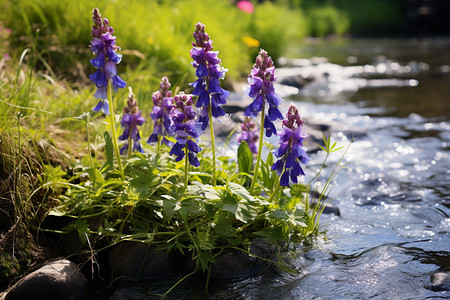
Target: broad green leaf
{"type": "Point", "coordinates": [203, 240]}
{"type": "Point", "coordinates": [209, 191]}
{"type": "Point", "coordinates": [243, 213]}
{"type": "Point", "coordinates": [109, 151]}
{"type": "Point", "coordinates": [95, 176]}
{"type": "Point", "coordinates": [240, 191]}
{"type": "Point", "coordinates": [269, 160]}
{"type": "Point", "coordinates": [224, 226]}
{"type": "Point", "coordinates": [244, 158]}
{"type": "Point", "coordinates": [190, 207]}
{"type": "Point", "coordinates": [169, 207]}
{"type": "Point", "coordinates": [273, 235]}
{"type": "Point", "coordinates": [279, 215]}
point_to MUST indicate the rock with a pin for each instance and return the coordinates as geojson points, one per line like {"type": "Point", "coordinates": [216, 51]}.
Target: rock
{"type": "Point", "coordinates": [234, 263]}
{"type": "Point", "coordinates": [297, 81]}
{"type": "Point", "coordinates": [236, 105]}
{"type": "Point", "coordinates": [58, 280]}
{"type": "Point", "coordinates": [440, 281]}
{"type": "Point", "coordinates": [331, 209]}
{"type": "Point", "coordinates": [139, 260]}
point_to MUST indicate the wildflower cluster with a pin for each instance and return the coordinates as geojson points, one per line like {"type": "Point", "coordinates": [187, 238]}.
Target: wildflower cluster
{"type": "Point", "coordinates": [209, 72]}
{"type": "Point", "coordinates": [291, 152]}
{"type": "Point", "coordinates": [185, 127]}
{"type": "Point", "coordinates": [103, 44]}
{"type": "Point", "coordinates": [249, 134]}
{"type": "Point", "coordinates": [201, 221]}
{"type": "Point", "coordinates": [261, 81]}
{"type": "Point", "coordinates": [132, 117]}
{"type": "Point", "coordinates": [162, 105]}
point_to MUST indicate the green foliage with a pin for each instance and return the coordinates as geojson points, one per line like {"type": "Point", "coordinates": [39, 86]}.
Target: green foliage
{"type": "Point", "coordinates": [274, 26]}
{"type": "Point", "coordinates": [327, 20]}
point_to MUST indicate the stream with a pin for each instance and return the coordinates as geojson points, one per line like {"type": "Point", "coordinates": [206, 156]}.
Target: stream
{"type": "Point", "coordinates": [391, 240]}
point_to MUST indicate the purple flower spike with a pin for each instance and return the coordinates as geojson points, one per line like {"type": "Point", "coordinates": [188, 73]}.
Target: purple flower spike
{"type": "Point", "coordinates": [249, 134]}
{"type": "Point", "coordinates": [186, 129]}
{"type": "Point", "coordinates": [291, 152]}
{"type": "Point", "coordinates": [209, 72]}
{"type": "Point", "coordinates": [132, 118]}
{"type": "Point", "coordinates": [103, 44]}
{"type": "Point", "coordinates": [261, 81]}
{"type": "Point", "coordinates": [162, 106]}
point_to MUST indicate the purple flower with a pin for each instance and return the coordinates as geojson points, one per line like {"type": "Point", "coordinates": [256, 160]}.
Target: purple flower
{"type": "Point", "coordinates": [103, 44]}
{"type": "Point", "coordinates": [249, 134]}
{"type": "Point", "coordinates": [132, 117]}
{"type": "Point", "coordinates": [162, 105]}
{"type": "Point", "coordinates": [185, 127]}
{"type": "Point", "coordinates": [291, 152]}
{"type": "Point", "coordinates": [261, 89]}
{"type": "Point", "coordinates": [209, 72]}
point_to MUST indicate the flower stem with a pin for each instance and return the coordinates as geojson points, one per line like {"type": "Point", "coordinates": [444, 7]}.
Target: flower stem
{"type": "Point", "coordinates": [159, 143]}
{"type": "Point", "coordinates": [258, 159]}
{"type": "Point", "coordinates": [211, 128]}
{"type": "Point", "coordinates": [275, 190]}
{"type": "Point", "coordinates": [113, 129]}
{"type": "Point", "coordinates": [129, 147]}
{"type": "Point", "coordinates": [89, 148]}
{"type": "Point", "coordinates": [186, 167]}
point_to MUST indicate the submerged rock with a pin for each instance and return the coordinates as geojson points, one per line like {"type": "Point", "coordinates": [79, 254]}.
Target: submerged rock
{"type": "Point", "coordinates": [57, 280]}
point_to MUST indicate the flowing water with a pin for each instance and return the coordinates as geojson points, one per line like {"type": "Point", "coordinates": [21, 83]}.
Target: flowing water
{"type": "Point", "coordinates": [394, 196]}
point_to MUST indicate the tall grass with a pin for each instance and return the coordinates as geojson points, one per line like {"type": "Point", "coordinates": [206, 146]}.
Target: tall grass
{"type": "Point", "coordinates": [153, 34]}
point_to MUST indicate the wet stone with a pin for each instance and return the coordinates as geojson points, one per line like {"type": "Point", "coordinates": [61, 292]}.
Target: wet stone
{"type": "Point", "coordinates": [331, 209]}
{"type": "Point", "coordinates": [139, 260]}
{"type": "Point", "coordinates": [297, 81]}
{"type": "Point", "coordinates": [440, 282]}
{"type": "Point", "coordinates": [57, 280]}
{"type": "Point", "coordinates": [234, 263]}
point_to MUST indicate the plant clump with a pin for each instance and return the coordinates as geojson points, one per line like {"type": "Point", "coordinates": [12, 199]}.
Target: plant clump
{"type": "Point", "coordinates": [173, 193]}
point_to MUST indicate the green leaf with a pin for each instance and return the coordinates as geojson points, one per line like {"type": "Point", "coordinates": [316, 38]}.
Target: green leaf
{"type": "Point", "coordinates": [82, 227]}
{"type": "Point", "coordinates": [109, 151]}
{"type": "Point", "coordinates": [228, 203]}
{"type": "Point", "coordinates": [244, 158]}
{"type": "Point", "coordinates": [269, 160]}
{"type": "Point", "coordinates": [144, 182]}
{"type": "Point", "coordinates": [243, 213]}
{"type": "Point", "coordinates": [204, 259]}
{"type": "Point", "coordinates": [240, 191]}
{"type": "Point", "coordinates": [169, 207]}
{"type": "Point", "coordinates": [190, 207]}
{"type": "Point", "coordinates": [208, 191]}
{"type": "Point", "coordinates": [272, 234]}
{"type": "Point", "coordinates": [95, 176]}
{"type": "Point", "coordinates": [224, 226]}
{"type": "Point", "coordinates": [279, 215]}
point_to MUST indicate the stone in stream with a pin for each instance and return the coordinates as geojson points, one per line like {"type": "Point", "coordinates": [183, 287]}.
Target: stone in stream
{"type": "Point", "coordinates": [57, 280]}
{"type": "Point", "coordinates": [234, 263]}
{"type": "Point", "coordinates": [440, 281]}
{"type": "Point", "coordinates": [139, 261]}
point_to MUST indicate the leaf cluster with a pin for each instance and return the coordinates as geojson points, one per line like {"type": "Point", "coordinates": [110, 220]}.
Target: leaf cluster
{"type": "Point", "coordinates": [152, 204]}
